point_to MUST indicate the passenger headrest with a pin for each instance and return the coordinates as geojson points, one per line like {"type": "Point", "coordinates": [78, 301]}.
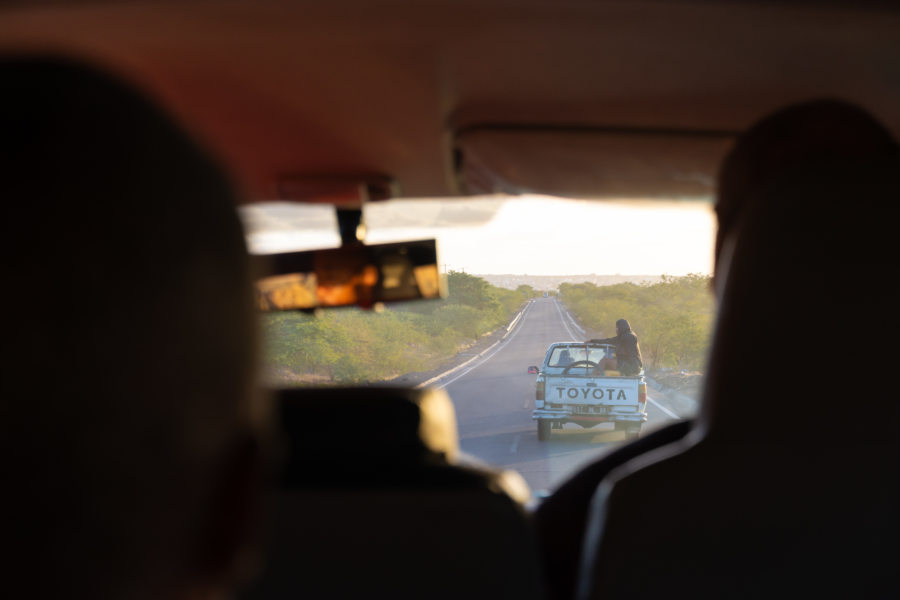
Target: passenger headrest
{"type": "Point", "coordinates": [783, 144]}
{"type": "Point", "coordinates": [353, 428]}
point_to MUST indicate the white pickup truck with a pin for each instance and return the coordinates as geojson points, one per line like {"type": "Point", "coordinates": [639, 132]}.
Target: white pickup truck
{"type": "Point", "coordinates": [572, 387]}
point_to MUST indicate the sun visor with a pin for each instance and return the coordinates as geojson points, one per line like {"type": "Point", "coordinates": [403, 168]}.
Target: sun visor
{"type": "Point", "coordinates": [589, 162]}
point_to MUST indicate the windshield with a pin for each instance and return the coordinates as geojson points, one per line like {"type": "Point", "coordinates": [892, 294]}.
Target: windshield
{"type": "Point", "coordinates": [523, 274]}
{"type": "Point", "coordinates": [565, 356]}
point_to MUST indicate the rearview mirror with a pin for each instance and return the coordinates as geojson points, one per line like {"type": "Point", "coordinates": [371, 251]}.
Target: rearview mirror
{"type": "Point", "coordinates": [532, 369]}
{"type": "Point", "coordinates": [351, 275]}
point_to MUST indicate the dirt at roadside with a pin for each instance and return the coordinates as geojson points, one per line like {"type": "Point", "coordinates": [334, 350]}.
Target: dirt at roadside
{"type": "Point", "coordinates": [674, 391]}
{"type": "Point", "coordinates": [684, 382]}
{"type": "Point", "coordinates": [415, 378]}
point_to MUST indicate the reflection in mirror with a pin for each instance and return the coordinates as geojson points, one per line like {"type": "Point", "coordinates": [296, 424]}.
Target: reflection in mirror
{"type": "Point", "coordinates": [351, 275]}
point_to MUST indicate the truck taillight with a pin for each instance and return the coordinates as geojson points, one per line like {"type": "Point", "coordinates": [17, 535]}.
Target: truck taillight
{"type": "Point", "coordinates": [642, 393]}
{"type": "Point", "coordinates": [539, 391]}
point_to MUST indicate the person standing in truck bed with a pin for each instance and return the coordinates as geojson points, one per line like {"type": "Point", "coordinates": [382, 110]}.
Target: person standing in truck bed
{"type": "Point", "coordinates": [628, 352]}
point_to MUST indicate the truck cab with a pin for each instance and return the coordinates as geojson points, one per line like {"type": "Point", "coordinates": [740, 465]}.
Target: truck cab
{"type": "Point", "coordinates": [575, 385]}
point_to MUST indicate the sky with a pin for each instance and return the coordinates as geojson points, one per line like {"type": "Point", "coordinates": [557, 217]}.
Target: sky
{"type": "Point", "coordinates": [525, 235]}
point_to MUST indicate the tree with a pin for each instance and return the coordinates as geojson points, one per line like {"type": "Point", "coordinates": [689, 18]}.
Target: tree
{"type": "Point", "coordinates": [526, 291]}
{"type": "Point", "coordinates": [469, 290]}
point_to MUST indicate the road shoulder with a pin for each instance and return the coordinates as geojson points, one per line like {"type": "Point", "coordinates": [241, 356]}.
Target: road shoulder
{"type": "Point", "coordinates": [479, 347]}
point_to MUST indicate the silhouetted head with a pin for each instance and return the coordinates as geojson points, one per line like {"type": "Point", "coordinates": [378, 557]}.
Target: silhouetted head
{"type": "Point", "coordinates": [808, 204]}
{"type": "Point", "coordinates": [791, 141]}
{"type": "Point", "coordinates": [128, 421]}
{"type": "Point", "coordinates": [622, 326]}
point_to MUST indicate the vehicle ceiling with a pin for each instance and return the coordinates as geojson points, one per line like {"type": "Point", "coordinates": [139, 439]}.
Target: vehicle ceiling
{"type": "Point", "coordinates": [356, 87]}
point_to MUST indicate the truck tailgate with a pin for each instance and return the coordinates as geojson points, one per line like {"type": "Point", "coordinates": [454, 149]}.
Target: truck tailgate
{"type": "Point", "coordinates": [606, 391]}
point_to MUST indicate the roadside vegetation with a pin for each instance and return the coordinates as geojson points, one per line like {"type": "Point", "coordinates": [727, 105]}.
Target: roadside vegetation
{"type": "Point", "coordinates": [350, 345]}
{"type": "Point", "coordinates": [673, 319]}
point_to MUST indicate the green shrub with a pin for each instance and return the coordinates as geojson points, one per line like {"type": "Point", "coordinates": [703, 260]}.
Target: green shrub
{"type": "Point", "coordinates": [673, 318]}
{"type": "Point", "coordinates": [350, 346]}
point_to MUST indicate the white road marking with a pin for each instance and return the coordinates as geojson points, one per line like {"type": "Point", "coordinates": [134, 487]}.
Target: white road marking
{"type": "Point", "coordinates": [515, 444]}
{"type": "Point", "coordinates": [561, 318]}
{"type": "Point", "coordinates": [456, 368]}
{"type": "Point", "coordinates": [516, 320]}
{"type": "Point", "coordinates": [572, 320]}
{"type": "Point", "coordinates": [486, 358]}
{"type": "Point", "coordinates": [662, 408]}
{"type": "Point", "coordinates": [502, 341]}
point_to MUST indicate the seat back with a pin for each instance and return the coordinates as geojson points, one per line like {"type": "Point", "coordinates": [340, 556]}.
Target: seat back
{"type": "Point", "coordinates": [370, 503]}
{"type": "Point", "coordinates": [781, 489]}
{"type": "Point", "coordinates": [561, 519]}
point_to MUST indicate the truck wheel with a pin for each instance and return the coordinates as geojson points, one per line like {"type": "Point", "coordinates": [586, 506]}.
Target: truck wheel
{"type": "Point", "coordinates": [543, 427]}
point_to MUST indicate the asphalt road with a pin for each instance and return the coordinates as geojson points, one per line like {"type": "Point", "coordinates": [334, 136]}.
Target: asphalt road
{"type": "Point", "coordinates": [494, 397]}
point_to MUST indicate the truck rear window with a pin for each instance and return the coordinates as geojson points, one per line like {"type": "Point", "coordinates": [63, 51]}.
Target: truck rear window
{"type": "Point", "coordinates": [563, 356]}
